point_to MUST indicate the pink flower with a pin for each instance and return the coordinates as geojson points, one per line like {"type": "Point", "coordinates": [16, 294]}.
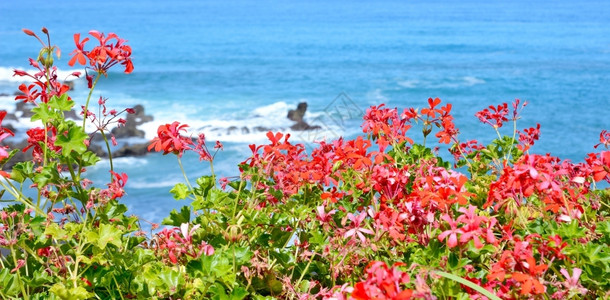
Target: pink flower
{"type": "Point", "coordinates": [356, 229]}
{"type": "Point", "coordinates": [571, 282]}
{"type": "Point", "coordinates": [452, 241]}
{"type": "Point", "coordinates": [323, 216]}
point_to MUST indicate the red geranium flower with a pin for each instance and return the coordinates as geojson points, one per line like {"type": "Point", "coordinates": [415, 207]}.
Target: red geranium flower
{"type": "Point", "coordinates": [170, 141]}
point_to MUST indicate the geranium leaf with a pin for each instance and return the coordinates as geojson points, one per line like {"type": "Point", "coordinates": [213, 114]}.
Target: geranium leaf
{"type": "Point", "coordinates": [180, 191]}
{"type": "Point", "coordinates": [177, 218]}
{"type": "Point", "coordinates": [72, 139]}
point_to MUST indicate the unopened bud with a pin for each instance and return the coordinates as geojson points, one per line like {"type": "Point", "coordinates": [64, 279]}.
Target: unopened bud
{"type": "Point", "coordinates": [28, 32]}
{"type": "Point", "coordinates": [46, 57]}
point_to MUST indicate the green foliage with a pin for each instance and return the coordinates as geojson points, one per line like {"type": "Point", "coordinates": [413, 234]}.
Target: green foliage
{"type": "Point", "coordinates": [368, 218]}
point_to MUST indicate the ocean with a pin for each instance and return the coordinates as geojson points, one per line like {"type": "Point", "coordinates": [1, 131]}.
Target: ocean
{"type": "Point", "coordinates": [231, 69]}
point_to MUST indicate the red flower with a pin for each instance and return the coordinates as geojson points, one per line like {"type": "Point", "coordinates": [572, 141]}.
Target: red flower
{"type": "Point", "coordinates": [604, 139]}
{"type": "Point", "coordinates": [36, 141]}
{"type": "Point", "coordinates": [494, 116]}
{"type": "Point", "coordinates": [79, 53]}
{"type": "Point", "coordinates": [382, 283]}
{"type": "Point", "coordinates": [170, 141]}
{"type": "Point", "coordinates": [4, 133]}
{"type": "Point", "coordinates": [29, 93]}
{"type": "Point", "coordinates": [111, 51]}
{"type": "Point", "coordinates": [117, 185]}
{"type": "Point", "coordinates": [527, 138]}
{"type": "Point", "coordinates": [601, 169]}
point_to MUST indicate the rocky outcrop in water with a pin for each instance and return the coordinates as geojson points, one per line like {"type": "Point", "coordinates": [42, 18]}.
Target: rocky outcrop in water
{"type": "Point", "coordinates": [297, 116]}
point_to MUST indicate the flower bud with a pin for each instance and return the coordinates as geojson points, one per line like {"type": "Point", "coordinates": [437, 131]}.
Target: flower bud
{"type": "Point", "coordinates": [233, 233]}
{"type": "Point", "coordinates": [46, 57]}
{"type": "Point", "coordinates": [28, 32]}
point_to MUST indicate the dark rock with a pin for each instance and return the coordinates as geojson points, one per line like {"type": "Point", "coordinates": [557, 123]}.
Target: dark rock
{"type": "Point", "coordinates": [127, 131]}
{"type": "Point", "coordinates": [10, 116]}
{"type": "Point", "coordinates": [70, 84]}
{"type": "Point", "coordinates": [4, 95]}
{"type": "Point", "coordinates": [20, 156]}
{"type": "Point", "coordinates": [131, 150]}
{"type": "Point", "coordinates": [98, 150]}
{"type": "Point", "coordinates": [25, 108]}
{"type": "Point", "coordinates": [132, 121]}
{"type": "Point", "coordinates": [301, 126]}
{"type": "Point", "coordinates": [245, 130]}
{"type": "Point", "coordinates": [9, 127]}
{"type": "Point", "coordinates": [231, 130]}
{"type": "Point", "coordinates": [298, 114]}
{"type": "Point", "coordinates": [261, 129]}
{"type": "Point", "coordinates": [72, 115]}
{"type": "Point", "coordinates": [96, 140]}
{"type": "Point", "coordinates": [139, 116]}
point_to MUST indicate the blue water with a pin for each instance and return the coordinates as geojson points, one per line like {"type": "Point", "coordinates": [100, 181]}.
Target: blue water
{"type": "Point", "coordinates": [245, 63]}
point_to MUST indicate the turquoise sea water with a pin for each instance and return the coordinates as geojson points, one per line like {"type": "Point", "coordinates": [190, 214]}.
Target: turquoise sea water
{"type": "Point", "coordinates": [218, 65]}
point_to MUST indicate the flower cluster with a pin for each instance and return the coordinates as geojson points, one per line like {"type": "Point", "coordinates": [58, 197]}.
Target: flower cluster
{"type": "Point", "coordinates": [174, 243]}
{"type": "Point", "coordinates": [111, 50]}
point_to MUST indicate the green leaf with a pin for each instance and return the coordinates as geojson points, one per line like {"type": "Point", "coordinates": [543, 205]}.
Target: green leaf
{"type": "Point", "coordinates": [218, 292]}
{"type": "Point", "coordinates": [47, 174]}
{"type": "Point", "coordinates": [39, 278]}
{"type": "Point", "coordinates": [180, 191]}
{"type": "Point", "coordinates": [43, 113]}
{"type": "Point", "coordinates": [55, 231]}
{"type": "Point", "coordinates": [204, 183]}
{"type": "Point", "coordinates": [106, 234]}
{"type": "Point", "coordinates": [177, 218]}
{"type": "Point", "coordinates": [469, 284]}
{"type": "Point", "coordinates": [73, 139]}
{"type": "Point", "coordinates": [22, 171]}
{"type": "Point", "coordinates": [171, 279]}
{"type": "Point", "coordinates": [74, 293]}
{"type": "Point", "coordinates": [61, 103]}
{"type": "Point", "coordinates": [238, 293]}
{"type": "Point", "coordinates": [10, 155]}
{"type": "Point", "coordinates": [85, 159]}
{"type": "Point", "coordinates": [9, 282]}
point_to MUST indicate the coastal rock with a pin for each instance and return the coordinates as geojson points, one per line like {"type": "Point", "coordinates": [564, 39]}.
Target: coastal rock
{"type": "Point", "coordinates": [261, 129]}
{"type": "Point", "coordinates": [131, 150]}
{"type": "Point", "coordinates": [302, 126]}
{"type": "Point", "coordinates": [297, 116]}
{"type": "Point", "coordinates": [70, 84]}
{"type": "Point", "coordinates": [24, 109]}
{"type": "Point", "coordinates": [132, 121]}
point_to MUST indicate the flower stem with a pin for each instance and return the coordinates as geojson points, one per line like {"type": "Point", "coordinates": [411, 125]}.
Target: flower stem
{"type": "Point", "coordinates": [109, 152]}
{"type": "Point", "coordinates": [88, 99]}
{"type": "Point", "coordinates": [184, 174]}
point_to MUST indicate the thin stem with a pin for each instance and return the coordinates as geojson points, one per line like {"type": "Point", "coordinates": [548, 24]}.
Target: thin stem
{"type": "Point", "coordinates": [21, 285]}
{"type": "Point", "coordinates": [212, 170]}
{"type": "Point", "coordinates": [241, 182]}
{"type": "Point", "coordinates": [513, 139]}
{"type": "Point", "coordinates": [46, 143]}
{"type": "Point", "coordinates": [88, 99]}
{"type": "Point", "coordinates": [19, 197]}
{"type": "Point", "coordinates": [109, 152]}
{"type": "Point", "coordinates": [184, 174]}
